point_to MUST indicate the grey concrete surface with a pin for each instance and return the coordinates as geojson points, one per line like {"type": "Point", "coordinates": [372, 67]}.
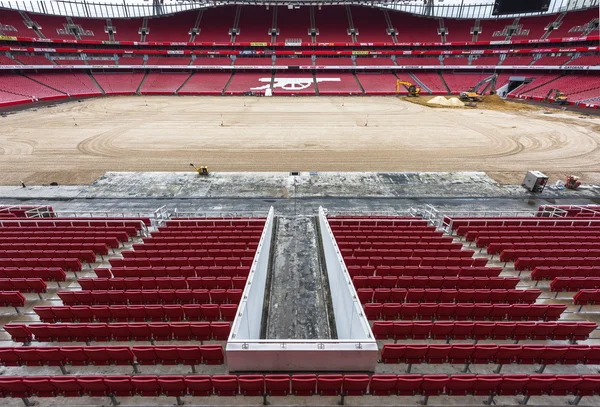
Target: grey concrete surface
{"type": "Point", "coordinates": [298, 297]}
{"type": "Point", "coordinates": [284, 186]}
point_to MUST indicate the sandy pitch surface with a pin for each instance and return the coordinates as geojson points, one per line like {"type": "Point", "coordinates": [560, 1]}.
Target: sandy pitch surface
{"type": "Point", "coordinates": [75, 143]}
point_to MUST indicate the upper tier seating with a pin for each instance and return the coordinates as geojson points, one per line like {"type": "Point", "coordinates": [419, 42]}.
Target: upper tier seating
{"type": "Point", "coordinates": [370, 24]}
{"type": "Point", "coordinates": [447, 295]}
{"type": "Point", "coordinates": [254, 24]}
{"type": "Point", "coordinates": [151, 296]}
{"type": "Point", "coordinates": [176, 28]}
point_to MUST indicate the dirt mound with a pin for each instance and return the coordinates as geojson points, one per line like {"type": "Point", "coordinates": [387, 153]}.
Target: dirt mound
{"type": "Point", "coordinates": [493, 100]}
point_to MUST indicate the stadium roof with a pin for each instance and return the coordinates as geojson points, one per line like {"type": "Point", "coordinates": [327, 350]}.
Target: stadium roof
{"type": "Point", "coordinates": [148, 8]}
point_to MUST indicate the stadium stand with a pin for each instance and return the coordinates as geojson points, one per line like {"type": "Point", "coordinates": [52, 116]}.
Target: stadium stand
{"type": "Point", "coordinates": [168, 61]}
{"type": "Point", "coordinates": [254, 24]}
{"type": "Point", "coordinates": [163, 83]}
{"type": "Point", "coordinates": [119, 83]}
{"type": "Point", "coordinates": [460, 81]}
{"type": "Point", "coordinates": [293, 24]}
{"type": "Point", "coordinates": [205, 83]}
{"type": "Point", "coordinates": [337, 84]}
{"type": "Point", "coordinates": [162, 29]}
{"type": "Point", "coordinates": [370, 25]}
{"type": "Point", "coordinates": [215, 24]}
{"type": "Point", "coordinates": [378, 83]}
{"type": "Point", "coordinates": [71, 83]}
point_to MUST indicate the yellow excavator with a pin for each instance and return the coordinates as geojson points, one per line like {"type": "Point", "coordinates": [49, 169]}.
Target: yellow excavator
{"type": "Point", "coordinates": [477, 92]}
{"type": "Point", "coordinates": [412, 89]}
{"type": "Point", "coordinates": [202, 170]}
{"type": "Point", "coordinates": [557, 96]}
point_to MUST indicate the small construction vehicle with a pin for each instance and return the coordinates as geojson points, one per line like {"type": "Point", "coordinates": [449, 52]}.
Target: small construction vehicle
{"type": "Point", "coordinates": [413, 90]}
{"type": "Point", "coordinates": [572, 182]}
{"type": "Point", "coordinates": [557, 97]}
{"type": "Point", "coordinates": [202, 170]}
{"type": "Point", "coordinates": [476, 93]}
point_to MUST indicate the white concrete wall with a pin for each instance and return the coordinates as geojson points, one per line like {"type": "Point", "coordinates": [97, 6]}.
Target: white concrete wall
{"type": "Point", "coordinates": [248, 321]}
{"type": "Point", "coordinates": [350, 321]}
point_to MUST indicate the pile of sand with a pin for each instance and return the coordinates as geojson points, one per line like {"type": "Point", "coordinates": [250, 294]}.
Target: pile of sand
{"type": "Point", "coordinates": [442, 101]}
{"type": "Point", "coordinates": [439, 100]}
{"type": "Point", "coordinates": [493, 100]}
{"type": "Point", "coordinates": [455, 102]}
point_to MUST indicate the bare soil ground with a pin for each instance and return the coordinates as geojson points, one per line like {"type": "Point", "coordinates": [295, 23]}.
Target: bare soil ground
{"type": "Point", "coordinates": [75, 143]}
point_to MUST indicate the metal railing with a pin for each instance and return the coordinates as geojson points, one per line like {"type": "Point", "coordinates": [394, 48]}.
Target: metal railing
{"type": "Point", "coordinates": [93, 9]}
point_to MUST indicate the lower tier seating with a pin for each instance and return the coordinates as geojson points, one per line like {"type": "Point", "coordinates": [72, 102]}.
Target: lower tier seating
{"type": "Point", "coordinates": [585, 297]}
{"type": "Point", "coordinates": [43, 273]}
{"type": "Point", "coordinates": [430, 271]}
{"type": "Point", "coordinates": [274, 385]}
{"type": "Point", "coordinates": [435, 282]}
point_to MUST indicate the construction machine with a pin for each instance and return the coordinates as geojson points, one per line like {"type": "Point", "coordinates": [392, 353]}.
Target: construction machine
{"type": "Point", "coordinates": [202, 170]}
{"type": "Point", "coordinates": [412, 89]}
{"type": "Point", "coordinates": [476, 93]}
{"type": "Point", "coordinates": [557, 96]}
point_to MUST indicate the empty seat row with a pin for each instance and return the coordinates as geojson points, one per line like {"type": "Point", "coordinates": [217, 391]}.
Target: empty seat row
{"type": "Point", "coordinates": [181, 261]}
{"type": "Point", "coordinates": [167, 296]}
{"type": "Point", "coordinates": [461, 225]}
{"type": "Point", "coordinates": [574, 283]}
{"type": "Point", "coordinates": [416, 261]}
{"type": "Point", "coordinates": [464, 311]}
{"type": "Point", "coordinates": [513, 254]}
{"type": "Point", "coordinates": [216, 230]}
{"type": "Point", "coordinates": [406, 253]}
{"type": "Point", "coordinates": [44, 273]}
{"type": "Point", "coordinates": [110, 241]}
{"type": "Point", "coordinates": [164, 237]}
{"type": "Point", "coordinates": [422, 250]}
{"type": "Point", "coordinates": [200, 253]}
{"type": "Point", "coordinates": [496, 248]}
{"type": "Point", "coordinates": [552, 272]}
{"type": "Point", "coordinates": [77, 222]}
{"type": "Point", "coordinates": [300, 385]}
{"type": "Point", "coordinates": [386, 242]}
{"type": "Point", "coordinates": [490, 353]}
{"type": "Point", "coordinates": [520, 330]}
{"type": "Point", "coordinates": [85, 255]}
{"type": "Point", "coordinates": [368, 248]}
{"type": "Point", "coordinates": [121, 234]}
{"type": "Point", "coordinates": [530, 263]}
{"type": "Point", "coordinates": [111, 355]}
{"type": "Point", "coordinates": [429, 271]}
{"type": "Point", "coordinates": [585, 297]}
{"type": "Point", "coordinates": [151, 245]}
{"type": "Point", "coordinates": [381, 222]}
{"type": "Point", "coordinates": [199, 234]}
{"type": "Point", "coordinates": [134, 331]}
{"type": "Point", "coordinates": [257, 223]}
{"type": "Point", "coordinates": [473, 233]}
{"type": "Point", "coordinates": [11, 299]}
{"type": "Point", "coordinates": [430, 295]}
{"type": "Point", "coordinates": [23, 285]}
{"type": "Point", "coordinates": [435, 282]}
{"type": "Point", "coordinates": [385, 232]}
{"type": "Point", "coordinates": [148, 283]}
{"type": "Point", "coordinates": [98, 248]}
{"type": "Point", "coordinates": [484, 240]}
{"type": "Point", "coordinates": [137, 313]}
{"type": "Point", "coordinates": [174, 271]}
